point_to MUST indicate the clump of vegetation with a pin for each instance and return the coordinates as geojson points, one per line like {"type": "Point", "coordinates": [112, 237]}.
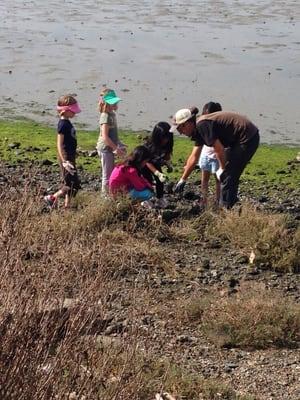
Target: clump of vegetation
{"type": "Point", "coordinates": [184, 385]}
{"type": "Point", "coordinates": [254, 318]}
{"type": "Point", "coordinates": [251, 230]}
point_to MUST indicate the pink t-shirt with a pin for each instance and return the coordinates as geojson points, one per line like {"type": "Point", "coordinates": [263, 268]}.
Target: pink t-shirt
{"type": "Point", "coordinates": [123, 179]}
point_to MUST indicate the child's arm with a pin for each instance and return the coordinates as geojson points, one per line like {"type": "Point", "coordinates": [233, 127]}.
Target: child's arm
{"type": "Point", "coordinates": [220, 153]}
{"type": "Point", "coordinates": [156, 172]}
{"type": "Point", "coordinates": [60, 143]}
{"type": "Point", "coordinates": [168, 162]}
{"type": "Point", "coordinates": [151, 167]}
{"type": "Point", "coordinates": [107, 140]}
{"type": "Point", "coordinates": [66, 163]}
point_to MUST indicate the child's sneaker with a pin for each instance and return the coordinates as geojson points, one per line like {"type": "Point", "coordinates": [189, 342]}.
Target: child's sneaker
{"type": "Point", "coordinates": [149, 204]}
{"type": "Point", "coordinates": [50, 200]}
{"type": "Point", "coordinates": [162, 203]}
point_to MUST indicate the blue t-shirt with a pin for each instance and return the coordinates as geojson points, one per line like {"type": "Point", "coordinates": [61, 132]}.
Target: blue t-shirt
{"type": "Point", "coordinates": [66, 128]}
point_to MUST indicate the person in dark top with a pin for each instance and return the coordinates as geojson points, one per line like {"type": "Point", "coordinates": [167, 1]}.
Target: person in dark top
{"type": "Point", "coordinates": [234, 138]}
{"type": "Point", "coordinates": [67, 108]}
{"type": "Point", "coordinates": [160, 145]}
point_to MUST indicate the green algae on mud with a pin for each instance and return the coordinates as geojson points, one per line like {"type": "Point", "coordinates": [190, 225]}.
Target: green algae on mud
{"type": "Point", "coordinates": [272, 164]}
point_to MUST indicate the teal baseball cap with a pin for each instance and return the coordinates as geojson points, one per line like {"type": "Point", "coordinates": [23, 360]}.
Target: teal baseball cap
{"type": "Point", "coordinates": [111, 97]}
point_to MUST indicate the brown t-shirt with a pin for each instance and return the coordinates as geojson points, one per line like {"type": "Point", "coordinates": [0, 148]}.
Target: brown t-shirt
{"type": "Point", "coordinates": [230, 128]}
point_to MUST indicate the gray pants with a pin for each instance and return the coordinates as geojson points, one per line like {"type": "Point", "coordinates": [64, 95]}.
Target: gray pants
{"type": "Point", "coordinates": [107, 164]}
{"type": "Point", "coordinates": [237, 157]}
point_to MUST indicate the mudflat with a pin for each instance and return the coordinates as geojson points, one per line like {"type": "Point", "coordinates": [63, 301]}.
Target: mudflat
{"type": "Point", "coordinates": [159, 56]}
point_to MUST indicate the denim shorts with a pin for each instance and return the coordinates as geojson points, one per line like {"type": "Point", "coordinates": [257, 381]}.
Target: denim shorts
{"type": "Point", "coordinates": [209, 164]}
{"type": "Point", "coordinates": [142, 195]}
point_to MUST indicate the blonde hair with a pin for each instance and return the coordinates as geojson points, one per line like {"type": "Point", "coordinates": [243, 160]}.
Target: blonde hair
{"type": "Point", "coordinates": [103, 107]}
{"type": "Point", "coordinates": [66, 100]}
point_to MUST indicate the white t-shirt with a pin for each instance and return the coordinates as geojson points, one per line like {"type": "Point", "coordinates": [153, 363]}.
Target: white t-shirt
{"type": "Point", "coordinates": [208, 152]}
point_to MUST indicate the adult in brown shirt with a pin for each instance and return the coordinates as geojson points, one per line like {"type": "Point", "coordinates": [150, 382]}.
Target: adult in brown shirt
{"type": "Point", "coordinates": [234, 138]}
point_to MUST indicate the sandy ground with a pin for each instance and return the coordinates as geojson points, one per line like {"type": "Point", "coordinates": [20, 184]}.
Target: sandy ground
{"type": "Point", "coordinates": [159, 56]}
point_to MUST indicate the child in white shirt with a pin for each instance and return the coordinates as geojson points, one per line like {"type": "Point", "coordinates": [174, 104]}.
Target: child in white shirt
{"type": "Point", "coordinates": [208, 161]}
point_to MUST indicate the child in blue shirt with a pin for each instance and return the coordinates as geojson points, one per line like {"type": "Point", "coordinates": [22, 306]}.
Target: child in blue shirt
{"type": "Point", "coordinates": [67, 108]}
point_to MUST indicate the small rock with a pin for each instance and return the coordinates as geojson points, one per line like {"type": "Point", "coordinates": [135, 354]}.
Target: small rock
{"type": "Point", "coordinates": [162, 238]}
{"type": "Point", "coordinates": [46, 162]}
{"type": "Point", "coordinates": [233, 282]}
{"type": "Point", "coordinates": [169, 215]}
{"type": "Point", "coordinates": [214, 273]}
{"type": "Point", "coordinates": [213, 244]}
{"type": "Point", "coordinates": [115, 328]}
{"type": "Point", "coordinates": [14, 145]}
{"type": "Point", "coordinates": [205, 263]}
{"type": "Point", "coordinates": [92, 153]}
{"type": "Point", "coordinates": [263, 199]}
{"type": "Point", "coordinates": [185, 339]}
{"type": "Point", "coordinates": [253, 271]}
{"type": "Point", "coordinates": [229, 367]}
{"type": "Point", "coordinates": [190, 195]}
{"type": "Point", "coordinates": [243, 259]}
{"type": "Point", "coordinates": [169, 187]}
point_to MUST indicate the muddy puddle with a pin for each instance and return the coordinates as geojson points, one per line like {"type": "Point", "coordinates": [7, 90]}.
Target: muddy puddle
{"type": "Point", "coordinates": [158, 55]}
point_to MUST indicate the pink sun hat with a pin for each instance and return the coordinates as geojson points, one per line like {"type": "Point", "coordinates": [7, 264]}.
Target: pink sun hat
{"type": "Point", "coordinates": [71, 107]}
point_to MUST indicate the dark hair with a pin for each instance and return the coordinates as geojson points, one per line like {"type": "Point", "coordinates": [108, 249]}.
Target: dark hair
{"type": "Point", "coordinates": [160, 132]}
{"type": "Point", "coordinates": [135, 159]}
{"type": "Point", "coordinates": [194, 111]}
{"type": "Point", "coordinates": [211, 107]}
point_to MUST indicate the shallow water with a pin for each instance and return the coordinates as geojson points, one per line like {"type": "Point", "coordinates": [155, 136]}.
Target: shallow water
{"type": "Point", "coordinates": [158, 55]}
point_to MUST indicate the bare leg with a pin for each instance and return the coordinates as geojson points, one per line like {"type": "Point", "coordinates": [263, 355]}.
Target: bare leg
{"type": "Point", "coordinates": [60, 193]}
{"type": "Point", "coordinates": [67, 200]}
{"type": "Point", "coordinates": [205, 175]}
{"type": "Point", "coordinates": [108, 163]}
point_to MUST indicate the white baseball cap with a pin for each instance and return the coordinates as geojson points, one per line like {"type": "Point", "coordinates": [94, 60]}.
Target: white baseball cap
{"type": "Point", "coordinates": [180, 117]}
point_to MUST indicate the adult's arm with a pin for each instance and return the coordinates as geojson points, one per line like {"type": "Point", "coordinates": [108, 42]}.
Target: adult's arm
{"type": "Point", "coordinates": [220, 153]}
{"type": "Point", "coordinates": [191, 162]}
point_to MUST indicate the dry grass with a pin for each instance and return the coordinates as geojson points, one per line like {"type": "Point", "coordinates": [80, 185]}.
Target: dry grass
{"type": "Point", "coordinates": [188, 386]}
{"type": "Point", "coordinates": [254, 318]}
{"type": "Point", "coordinates": [89, 256]}
{"type": "Point", "coordinates": [47, 258]}
{"type": "Point", "coordinates": [252, 230]}
{"type": "Point", "coordinates": [94, 256]}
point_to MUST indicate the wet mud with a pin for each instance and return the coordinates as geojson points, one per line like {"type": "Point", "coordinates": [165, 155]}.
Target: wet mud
{"type": "Point", "coordinates": [159, 56]}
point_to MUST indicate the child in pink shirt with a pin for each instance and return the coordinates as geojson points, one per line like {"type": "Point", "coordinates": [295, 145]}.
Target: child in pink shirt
{"type": "Point", "coordinates": [127, 178]}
